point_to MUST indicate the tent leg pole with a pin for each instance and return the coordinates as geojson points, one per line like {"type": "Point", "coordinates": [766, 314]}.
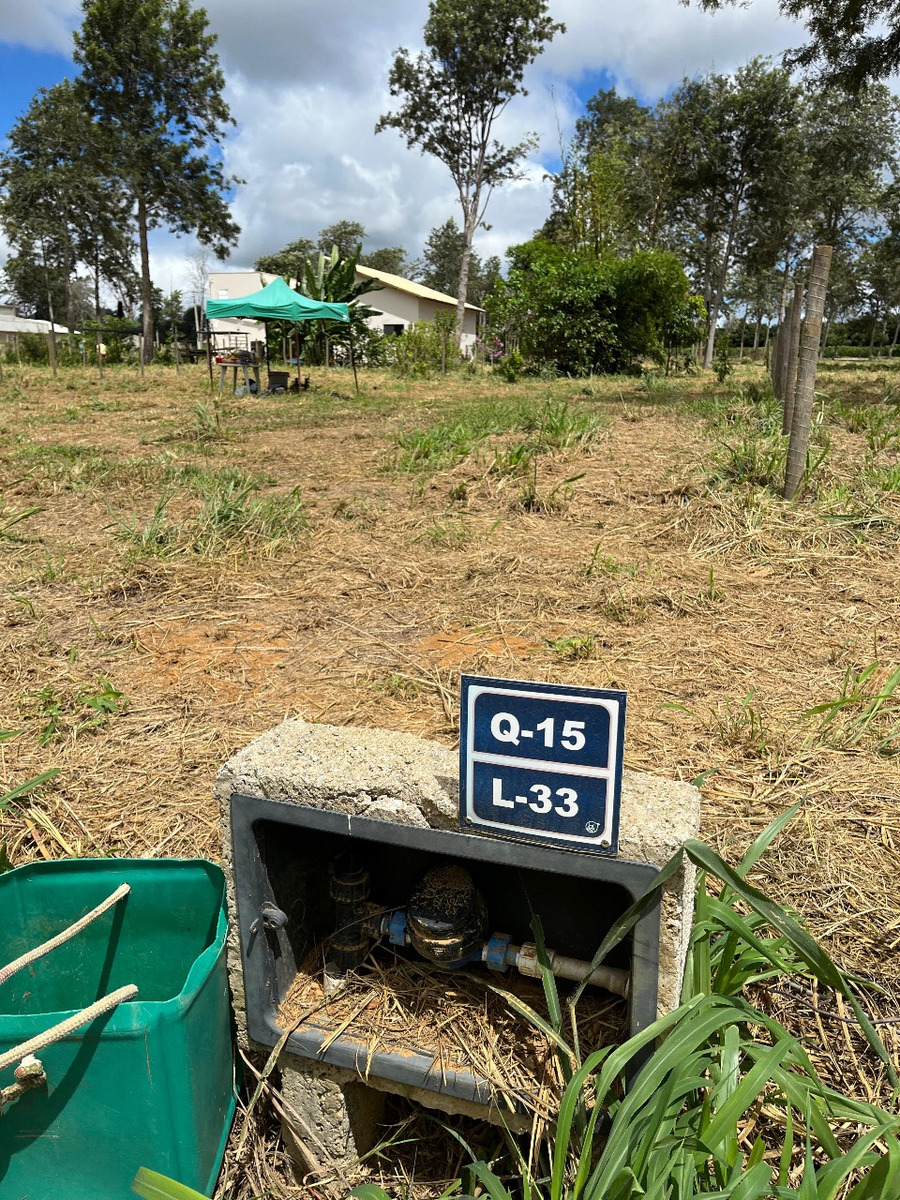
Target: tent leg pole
{"type": "Point", "coordinates": [209, 354]}
{"type": "Point", "coordinates": [353, 360]}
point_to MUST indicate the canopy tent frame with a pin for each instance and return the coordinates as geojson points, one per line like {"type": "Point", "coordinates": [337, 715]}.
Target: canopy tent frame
{"type": "Point", "coordinates": [277, 301]}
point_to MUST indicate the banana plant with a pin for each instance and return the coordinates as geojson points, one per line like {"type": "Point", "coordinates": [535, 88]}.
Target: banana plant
{"type": "Point", "coordinates": [332, 279]}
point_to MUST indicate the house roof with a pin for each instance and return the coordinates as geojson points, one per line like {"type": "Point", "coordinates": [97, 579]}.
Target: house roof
{"type": "Point", "coordinates": [14, 324]}
{"type": "Point", "coordinates": [414, 289]}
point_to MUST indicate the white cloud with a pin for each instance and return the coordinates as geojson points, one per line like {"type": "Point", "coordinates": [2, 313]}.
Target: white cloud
{"type": "Point", "coordinates": [39, 24]}
{"type": "Point", "coordinates": [307, 84]}
{"type": "Point", "coordinates": [650, 45]}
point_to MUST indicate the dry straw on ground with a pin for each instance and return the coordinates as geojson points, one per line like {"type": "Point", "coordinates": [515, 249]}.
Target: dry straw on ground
{"type": "Point", "coordinates": [726, 613]}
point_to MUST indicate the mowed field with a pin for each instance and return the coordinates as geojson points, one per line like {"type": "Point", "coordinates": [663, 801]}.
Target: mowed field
{"type": "Point", "coordinates": [178, 577]}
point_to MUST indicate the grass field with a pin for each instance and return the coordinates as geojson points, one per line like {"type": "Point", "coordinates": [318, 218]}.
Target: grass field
{"type": "Point", "coordinates": [178, 575]}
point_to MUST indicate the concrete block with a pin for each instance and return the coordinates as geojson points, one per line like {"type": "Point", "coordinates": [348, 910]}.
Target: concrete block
{"type": "Point", "coordinates": [401, 778]}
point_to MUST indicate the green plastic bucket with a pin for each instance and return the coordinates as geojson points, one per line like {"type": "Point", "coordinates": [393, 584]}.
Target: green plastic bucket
{"type": "Point", "coordinates": [150, 1084]}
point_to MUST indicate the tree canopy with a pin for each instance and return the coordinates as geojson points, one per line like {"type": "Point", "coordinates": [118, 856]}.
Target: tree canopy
{"type": "Point", "coordinates": [153, 85]}
{"type": "Point", "coordinates": [452, 93]}
{"type": "Point", "coordinates": [738, 175]}
{"type": "Point", "coordinates": [440, 265]}
{"type": "Point", "coordinates": [58, 207]}
{"type": "Point", "coordinates": [851, 42]}
{"type": "Point", "coordinates": [586, 314]}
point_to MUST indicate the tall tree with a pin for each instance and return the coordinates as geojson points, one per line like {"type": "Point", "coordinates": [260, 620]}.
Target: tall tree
{"type": "Point", "coordinates": [154, 86]}
{"type": "Point", "coordinates": [452, 94]}
{"type": "Point", "coordinates": [852, 143]}
{"type": "Point", "coordinates": [852, 42]}
{"type": "Point", "coordinates": [346, 235]}
{"type": "Point", "coordinates": [289, 261]}
{"type": "Point", "coordinates": [57, 206]}
{"type": "Point", "coordinates": [735, 135]}
{"type": "Point", "coordinates": [391, 259]}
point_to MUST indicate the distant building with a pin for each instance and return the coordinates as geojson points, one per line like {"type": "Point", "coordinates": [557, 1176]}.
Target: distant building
{"type": "Point", "coordinates": [400, 302]}
{"type": "Point", "coordinates": [12, 325]}
{"type": "Point", "coordinates": [397, 304]}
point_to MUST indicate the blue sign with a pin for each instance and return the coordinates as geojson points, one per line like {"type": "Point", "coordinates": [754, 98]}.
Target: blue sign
{"type": "Point", "coordinates": [541, 762]}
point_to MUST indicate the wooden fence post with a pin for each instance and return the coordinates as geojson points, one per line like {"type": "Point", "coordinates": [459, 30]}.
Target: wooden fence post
{"type": "Point", "coordinates": [806, 374]}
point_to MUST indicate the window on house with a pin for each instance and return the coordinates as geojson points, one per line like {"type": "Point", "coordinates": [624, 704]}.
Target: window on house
{"type": "Point", "coordinates": [392, 330]}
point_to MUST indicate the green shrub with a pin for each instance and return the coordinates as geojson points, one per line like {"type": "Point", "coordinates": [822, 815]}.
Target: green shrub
{"type": "Point", "coordinates": [587, 314]}
{"type": "Point", "coordinates": [424, 348]}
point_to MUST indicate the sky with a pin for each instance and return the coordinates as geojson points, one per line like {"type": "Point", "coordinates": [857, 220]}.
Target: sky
{"type": "Point", "coordinates": [307, 81]}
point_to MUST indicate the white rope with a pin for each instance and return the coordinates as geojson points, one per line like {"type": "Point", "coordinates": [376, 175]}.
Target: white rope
{"type": "Point", "coordinates": [81, 923]}
{"type": "Point", "coordinates": [57, 1032]}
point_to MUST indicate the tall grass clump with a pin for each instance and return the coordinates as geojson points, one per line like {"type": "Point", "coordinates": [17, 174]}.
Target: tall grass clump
{"type": "Point", "coordinates": [232, 518]}
{"type": "Point", "coordinates": [866, 712]}
{"type": "Point", "coordinates": [717, 1098]}
{"type": "Point", "coordinates": [548, 425]}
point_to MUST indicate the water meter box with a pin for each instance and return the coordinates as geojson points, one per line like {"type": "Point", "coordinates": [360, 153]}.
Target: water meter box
{"type": "Point", "coordinates": [149, 1084]}
{"type": "Point", "coordinates": [282, 853]}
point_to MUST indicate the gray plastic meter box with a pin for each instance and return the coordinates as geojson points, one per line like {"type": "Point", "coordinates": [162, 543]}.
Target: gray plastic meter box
{"type": "Point", "coordinates": [283, 853]}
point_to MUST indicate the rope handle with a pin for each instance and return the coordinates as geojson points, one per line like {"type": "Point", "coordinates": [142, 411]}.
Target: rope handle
{"type": "Point", "coordinates": [57, 1032]}
{"type": "Point", "coordinates": [82, 923]}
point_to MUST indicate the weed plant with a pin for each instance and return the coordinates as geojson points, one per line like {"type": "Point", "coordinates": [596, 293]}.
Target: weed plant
{"type": "Point", "coordinates": [727, 1102]}
{"type": "Point", "coordinates": [89, 708]}
{"type": "Point", "coordinates": [866, 712]}
{"type": "Point", "coordinates": [10, 520]}
{"type": "Point", "coordinates": [231, 518]}
{"type": "Point", "coordinates": [551, 425]}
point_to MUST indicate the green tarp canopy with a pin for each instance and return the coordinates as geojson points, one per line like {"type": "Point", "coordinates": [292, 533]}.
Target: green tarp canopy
{"type": "Point", "coordinates": [277, 302]}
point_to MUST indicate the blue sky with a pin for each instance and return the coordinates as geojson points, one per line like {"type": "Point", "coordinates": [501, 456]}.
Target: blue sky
{"type": "Point", "coordinates": [23, 72]}
{"type": "Point", "coordinates": [306, 88]}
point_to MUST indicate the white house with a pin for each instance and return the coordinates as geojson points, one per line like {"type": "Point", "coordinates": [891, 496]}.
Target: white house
{"type": "Point", "coordinates": [398, 303]}
{"type": "Point", "coordinates": [11, 325]}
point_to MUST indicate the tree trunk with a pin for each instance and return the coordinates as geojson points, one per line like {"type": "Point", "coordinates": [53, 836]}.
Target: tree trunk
{"type": "Point", "coordinates": [756, 331]}
{"type": "Point", "coordinates": [872, 337]}
{"type": "Point", "coordinates": [792, 357]}
{"type": "Point", "coordinates": [806, 376]}
{"type": "Point", "coordinates": [70, 297]}
{"type": "Point", "coordinates": [783, 349]}
{"type": "Point", "coordinates": [469, 213]}
{"type": "Point", "coordinates": [779, 338]}
{"type": "Point", "coordinates": [51, 336]}
{"type": "Point", "coordinates": [146, 281]}
{"type": "Point", "coordinates": [894, 342]}
{"type": "Point", "coordinates": [722, 279]}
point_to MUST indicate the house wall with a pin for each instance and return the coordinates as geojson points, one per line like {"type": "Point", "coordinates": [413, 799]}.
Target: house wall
{"type": "Point", "coordinates": [400, 308]}
{"type": "Point", "coordinates": [231, 285]}
{"type": "Point", "coordinates": [393, 307]}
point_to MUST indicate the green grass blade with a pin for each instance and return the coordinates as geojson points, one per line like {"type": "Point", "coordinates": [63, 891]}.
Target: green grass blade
{"type": "Point", "coordinates": [24, 788]}
{"type": "Point", "coordinates": [883, 1180]}
{"type": "Point", "coordinates": [815, 957]}
{"type": "Point", "coordinates": [571, 1105]}
{"type": "Point", "coordinates": [831, 1177]}
{"type": "Point", "coordinates": [738, 1100]}
{"type": "Point", "coordinates": [765, 840]}
{"type": "Point", "coordinates": [492, 1185]}
{"type": "Point", "coordinates": [624, 925]}
{"type": "Point", "coordinates": [152, 1186]}
{"type": "Point", "coordinates": [536, 1020]}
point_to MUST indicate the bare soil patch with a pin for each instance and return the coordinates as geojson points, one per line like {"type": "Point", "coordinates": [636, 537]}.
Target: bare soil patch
{"type": "Point", "coordinates": [726, 613]}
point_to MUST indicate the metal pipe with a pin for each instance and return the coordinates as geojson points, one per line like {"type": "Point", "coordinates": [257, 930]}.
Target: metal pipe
{"type": "Point", "coordinates": [612, 978]}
